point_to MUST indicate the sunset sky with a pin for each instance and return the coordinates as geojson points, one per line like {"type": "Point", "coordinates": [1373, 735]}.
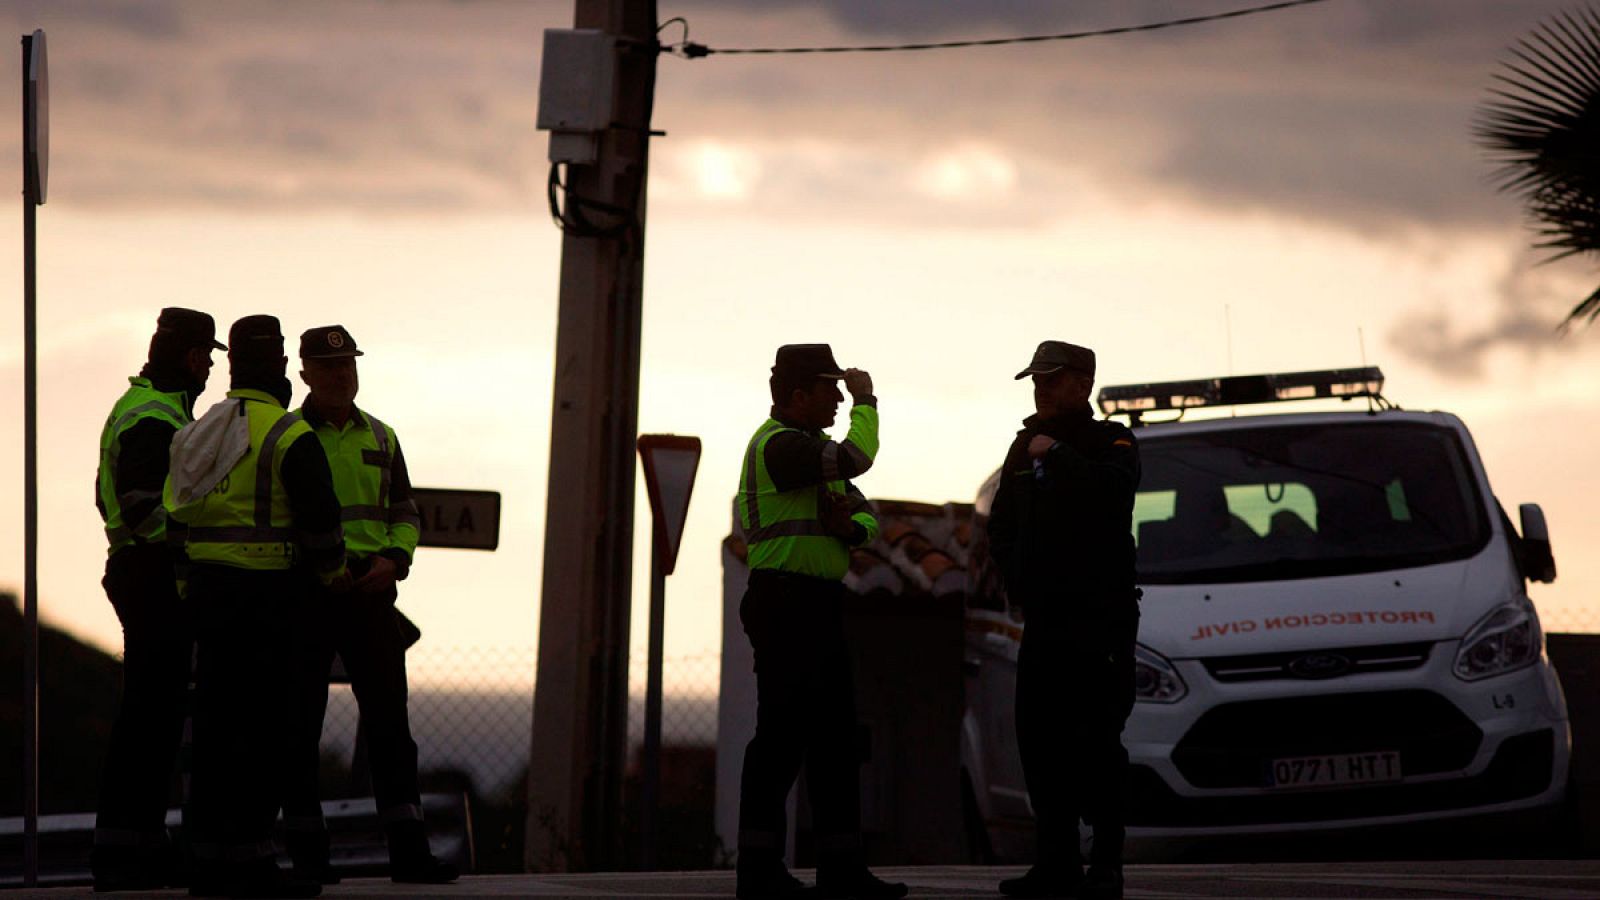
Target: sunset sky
{"type": "Point", "coordinates": [1307, 175]}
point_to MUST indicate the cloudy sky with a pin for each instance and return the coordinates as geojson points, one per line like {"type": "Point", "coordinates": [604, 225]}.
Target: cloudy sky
{"type": "Point", "coordinates": [1289, 191]}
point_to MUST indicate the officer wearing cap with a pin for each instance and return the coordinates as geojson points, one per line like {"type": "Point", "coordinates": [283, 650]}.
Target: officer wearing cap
{"type": "Point", "coordinates": [801, 516]}
{"type": "Point", "coordinates": [130, 838]}
{"type": "Point", "coordinates": [250, 497]}
{"type": "Point", "coordinates": [363, 627]}
{"type": "Point", "coordinates": [1060, 531]}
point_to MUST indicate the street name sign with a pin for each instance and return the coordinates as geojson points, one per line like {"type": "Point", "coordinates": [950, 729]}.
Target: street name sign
{"type": "Point", "coordinates": [466, 520]}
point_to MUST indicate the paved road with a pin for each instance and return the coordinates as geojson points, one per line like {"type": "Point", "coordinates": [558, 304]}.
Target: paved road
{"type": "Point", "coordinates": [1556, 880]}
{"type": "Point", "coordinates": [1559, 879]}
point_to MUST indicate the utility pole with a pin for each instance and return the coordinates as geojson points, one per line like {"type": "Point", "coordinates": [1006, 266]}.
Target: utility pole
{"type": "Point", "coordinates": [580, 704]}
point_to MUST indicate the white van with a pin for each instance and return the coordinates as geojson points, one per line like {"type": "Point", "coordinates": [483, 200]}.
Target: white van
{"type": "Point", "coordinates": [1336, 631]}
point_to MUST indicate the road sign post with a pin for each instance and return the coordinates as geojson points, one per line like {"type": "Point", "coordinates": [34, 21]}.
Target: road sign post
{"type": "Point", "coordinates": [670, 462]}
{"type": "Point", "coordinates": [36, 153]}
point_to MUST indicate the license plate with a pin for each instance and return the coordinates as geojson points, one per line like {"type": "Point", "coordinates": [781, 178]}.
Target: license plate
{"type": "Point", "coordinates": [1334, 770]}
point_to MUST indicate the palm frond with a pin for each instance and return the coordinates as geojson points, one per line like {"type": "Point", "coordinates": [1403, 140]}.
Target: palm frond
{"type": "Point", "coordinates": [1588, 309]}
{"type": "Point", "coordinates": [1541, 125]}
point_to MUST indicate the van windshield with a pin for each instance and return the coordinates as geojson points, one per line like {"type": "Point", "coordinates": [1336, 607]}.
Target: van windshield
{"type": "Point", "coordinates": [1303, 501]}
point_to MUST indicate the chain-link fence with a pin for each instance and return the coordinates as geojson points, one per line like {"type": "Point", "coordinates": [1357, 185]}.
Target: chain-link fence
{"type": "Point", "coordinates": [472, 717]}
{"type": "Point", "coordinates": [1565, 617]}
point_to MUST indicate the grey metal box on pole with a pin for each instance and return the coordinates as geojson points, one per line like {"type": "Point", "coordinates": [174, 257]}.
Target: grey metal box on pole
{"type": "Point", "coordinates": [577, 90]}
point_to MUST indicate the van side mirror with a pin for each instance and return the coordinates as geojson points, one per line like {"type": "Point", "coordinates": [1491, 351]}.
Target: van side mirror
{"type": "Point", "coordinates": [1537, 556]}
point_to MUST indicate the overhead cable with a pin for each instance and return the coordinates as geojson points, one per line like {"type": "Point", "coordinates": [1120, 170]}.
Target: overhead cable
{"type": "Point", "coordinates": [690, 50]}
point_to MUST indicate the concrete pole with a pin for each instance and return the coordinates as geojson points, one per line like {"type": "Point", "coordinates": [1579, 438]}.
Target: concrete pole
{"type": "Point", "coordinates": [580, 704]}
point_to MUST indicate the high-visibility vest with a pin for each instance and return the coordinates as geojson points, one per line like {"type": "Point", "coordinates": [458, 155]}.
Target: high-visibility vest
{"type": "Point", "coordinates": [245, 520]}
{"type": "Point", "coordinates": [361, 455]}
{"type": "Point", "coordinates": [141, 401]}
{"type": "Point", "coordinates": [782, 529]}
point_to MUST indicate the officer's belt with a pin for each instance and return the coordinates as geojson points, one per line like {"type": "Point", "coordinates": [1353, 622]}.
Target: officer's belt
{"type": "Point", "coordinates": [794, 577]}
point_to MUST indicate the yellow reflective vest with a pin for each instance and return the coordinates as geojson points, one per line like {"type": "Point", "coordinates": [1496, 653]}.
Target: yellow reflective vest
{"type": "Point", "coordinates": [245, 521]}
{"type": "Point", "coordinates": [141, 401]}
{"type": "Point", "coordinates": [782, 529]}
{"type": "Point", "coordinates": [362, 456]}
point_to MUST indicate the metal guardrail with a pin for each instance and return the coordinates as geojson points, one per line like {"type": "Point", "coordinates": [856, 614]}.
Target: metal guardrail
{"type": "Point", "coordinates": [358, 846]}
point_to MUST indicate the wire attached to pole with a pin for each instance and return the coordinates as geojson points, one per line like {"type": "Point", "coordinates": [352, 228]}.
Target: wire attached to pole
{"type": "Point", "coordinates": [572, 217]}
{"type": "Point", "coordinates": [690, 50]}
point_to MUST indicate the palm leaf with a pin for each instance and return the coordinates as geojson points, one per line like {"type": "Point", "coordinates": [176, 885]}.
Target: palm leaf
{"type": "Point", "coordinates": [1541, 126]}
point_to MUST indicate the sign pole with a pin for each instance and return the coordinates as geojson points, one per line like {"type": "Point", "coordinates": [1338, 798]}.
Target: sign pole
{"type": "Point", "coordinates": [670, 463]}
{"type": "Point", "coordinates": [33, 92]}
{"type": "Point", "coordinates": [30, 564]}
{"type": "Point", "coordinates": [650, 795]}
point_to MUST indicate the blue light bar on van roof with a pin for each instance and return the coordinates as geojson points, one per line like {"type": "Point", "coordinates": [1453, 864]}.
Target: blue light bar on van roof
{"type": "Point", "coordinates": [1240, 390]}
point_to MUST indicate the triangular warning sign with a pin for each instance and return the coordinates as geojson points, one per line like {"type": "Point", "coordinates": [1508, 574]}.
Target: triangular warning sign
{"type": "Point", "coordinates": [670, 462]}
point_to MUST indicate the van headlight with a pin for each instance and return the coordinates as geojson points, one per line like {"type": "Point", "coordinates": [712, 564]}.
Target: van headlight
{"type": "Point", "coordinates": [1154, 678]}
{"type": "Point", "coordinates": [1506, 639]}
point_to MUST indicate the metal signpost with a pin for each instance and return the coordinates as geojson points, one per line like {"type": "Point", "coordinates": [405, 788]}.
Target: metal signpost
{"type": "Point", "coordinates": [36, 155]}
{"type": "Point", "coordinates": [670, 462]}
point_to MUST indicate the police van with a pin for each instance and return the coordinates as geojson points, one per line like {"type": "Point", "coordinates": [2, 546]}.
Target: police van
{"type": "Point", "coordinates": [1335, 631]}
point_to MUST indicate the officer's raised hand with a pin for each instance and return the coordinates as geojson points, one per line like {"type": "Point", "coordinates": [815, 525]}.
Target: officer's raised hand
{"type": "Point", "coordinates": [1040, 445]}
{"type": "Point", "coordinates": [858, 383]}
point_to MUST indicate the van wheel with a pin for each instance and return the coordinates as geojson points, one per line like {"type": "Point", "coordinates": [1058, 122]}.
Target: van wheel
{"type": "Point", "coordinates": [979, 851]}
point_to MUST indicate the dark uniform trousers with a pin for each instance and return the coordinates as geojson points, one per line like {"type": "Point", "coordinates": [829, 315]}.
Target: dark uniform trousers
{"type": "Point", "coordinates": [805, 714]}
{"type": "Point", "coordinates": [364, 631]}
{"type": "Point", "coordinates": [241, 709]}
{"type": "Point", "coordinates": [1074, 694]}
{"type": "Point", "coordinates": [157, 654]}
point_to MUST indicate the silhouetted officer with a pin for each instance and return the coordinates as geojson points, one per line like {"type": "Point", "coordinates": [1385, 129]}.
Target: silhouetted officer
{"type": "Point", "coordinates": [380, 535]}
{"type": "Point", "coordinates": [800, 516]}
{"type": "Point", "coordinates": [130, 836]}
{"type": "Point", "coordinates": [250, 497]}
{"type": "Point", "coordinates": [1060, 530]}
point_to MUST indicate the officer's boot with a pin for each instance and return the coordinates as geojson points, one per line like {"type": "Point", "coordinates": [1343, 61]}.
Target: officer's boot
{"type": "Point", "coordinates": [208, 878]}
{"type": "Point", "coordinates": [262, 878]}
{"type": "Point", "coordinates": [309, 852]}
{"type": "Point", "coordinates": [410, 859]}
{"type": "Point", "coordinates": [1045, 881]}
{"type": "Point", "coordinates": [761, 875]}
{"type": "Point", "coordinates": [842, 875]}
{"type": "Point", "coordinates": [131, 868]}
{"type": "Point", "coordinates": [1058, 871]}
{"type": "Point", "coordinates": [1104, 879]}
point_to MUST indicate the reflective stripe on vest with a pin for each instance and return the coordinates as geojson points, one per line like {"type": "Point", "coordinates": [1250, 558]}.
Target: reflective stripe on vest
{"type": "Point", "coordinates": [361, 460]}
{"type": "Point", "coordinates": [141, 401]}
{"type": "Point", "coordinates": [245, 520]}
{"type": "Point", "coordinates": [782, 530]}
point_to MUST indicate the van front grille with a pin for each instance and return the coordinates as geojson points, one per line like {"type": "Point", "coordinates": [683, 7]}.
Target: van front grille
{"type": "Point", "coordinates": [1318, 664]}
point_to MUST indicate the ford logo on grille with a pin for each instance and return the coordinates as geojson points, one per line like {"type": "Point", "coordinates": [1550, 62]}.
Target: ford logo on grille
{"type": "Point", "coordinates": [1319, 665]}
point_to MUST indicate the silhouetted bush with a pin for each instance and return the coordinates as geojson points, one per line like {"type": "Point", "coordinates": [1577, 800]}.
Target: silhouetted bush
{"type": "Point", "coordinates": [79, 687]}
